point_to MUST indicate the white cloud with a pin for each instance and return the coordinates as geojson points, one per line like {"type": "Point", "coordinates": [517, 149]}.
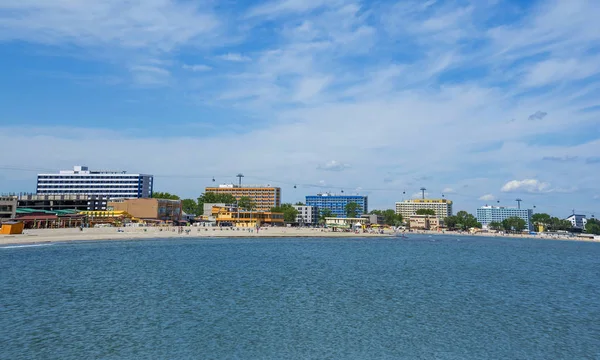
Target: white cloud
{"type": "Point", "coordinates": [234, 57]}
{"type": "Point", "coordinates": [557, 70]}
{"type": "Point", "coordinates": [309, 88]}
{"type": "Point", "coordinates": [334, 165]}
{"type": "Point", "coordinates": [527, 185]}
{"type": "Point", "coordinates": [197, 67]}
{"type": "Point", "coordinates": [136, 24]}
{"type": "Point", "coordinates": [147, 75]}
{"type": "Point", "coordinates": [281, 7]}
{"type": "Point", "coordinates": [448, 191]}
{"type": "Point", "coordinates": [487, 197]}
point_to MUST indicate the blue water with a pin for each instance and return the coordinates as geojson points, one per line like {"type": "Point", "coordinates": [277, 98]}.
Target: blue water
{"type": "Point", "coordinates": [416, 298]}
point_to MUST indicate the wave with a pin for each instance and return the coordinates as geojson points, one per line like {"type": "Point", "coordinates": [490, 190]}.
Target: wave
{"type": "Point", "coordinates": [24, 246]}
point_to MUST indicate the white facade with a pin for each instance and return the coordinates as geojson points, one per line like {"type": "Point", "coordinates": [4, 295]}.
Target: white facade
{"type": "Point", "coordinates": [307, 215]}
{"type": "Point", "coordinates": [578, 221]}
{"type": "Point", "coordinates": [81, 180]}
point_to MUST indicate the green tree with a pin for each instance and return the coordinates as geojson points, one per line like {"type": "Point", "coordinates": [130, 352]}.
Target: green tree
{"type": "Point", "coordinates": [514, 223]}
{"type": "Point", "coordinates": [290, 214]}
{"type": "Point", "coordinates": [246, 203]}
{"type": "Point", "coordinates": [462, 221]}
{"type": "Point", "coordinates": [189, 206]}
{"type": "Point", "coordinates": [495, 225]}
{"type": "Point", "coordinates": [299, 203]}
{"type": "Point", "coordinates": [541, 219]}
{"type": "Point", "coordinates": [325, 213]}
{"type": "Point", "coordinates": [593, 226]}
{"type": "Point", "coordinates": [425, 212]}
{"type": "Point", "coordinates": [164, 195]}
{"type": "Point", "coordinates": [389, 217]}
{"type": "Point", "coordinates": [451, 222]}
{"type": "Point", "coordinates": [352, 209]}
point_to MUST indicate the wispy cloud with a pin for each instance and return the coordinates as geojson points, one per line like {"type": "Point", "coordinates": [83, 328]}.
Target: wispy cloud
{"type": "Point", "coordinates": [152, 24]}
{"type": "Point", "coordinates": [565, 158]}
{"type": "Point", "coordinates": [235, 57]}
{"type": "Point", "coordinates": [147, 75]}
{"type": "Point", "coordinates": [334, 165]}
{"type": "Point", "coordinates": [197, 67]}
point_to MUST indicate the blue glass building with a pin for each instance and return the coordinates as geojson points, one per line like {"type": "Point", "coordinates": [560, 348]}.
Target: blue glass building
{"type": "Point", "coordinates": [487, 214]}
{"type": "Point", "coordinates": [337, 203]}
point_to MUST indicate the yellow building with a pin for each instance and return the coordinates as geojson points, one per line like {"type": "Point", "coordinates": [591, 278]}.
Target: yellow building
{"type": "Point", "coordinates": [265, 197]}
{"type": "Point", "coordinates": [442, 207]}
{"type": "Point", "coordinates": [225, 216]}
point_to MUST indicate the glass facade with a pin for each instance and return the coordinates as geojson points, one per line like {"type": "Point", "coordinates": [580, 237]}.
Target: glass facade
{"type": "Point", "coordinates": [337, 203]}
{"type": "Point", "coordinates": [487, 214]}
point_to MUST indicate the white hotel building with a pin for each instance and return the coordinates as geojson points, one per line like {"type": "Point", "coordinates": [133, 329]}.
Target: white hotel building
{"type": "Point", "coordinates": [104, 184]}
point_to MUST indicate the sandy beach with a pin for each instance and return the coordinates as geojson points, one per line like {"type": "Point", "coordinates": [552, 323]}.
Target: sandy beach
{"type": "Point", "coordinates": [127, 233]}
{"type": "Point", "coordinates": [61, 235]}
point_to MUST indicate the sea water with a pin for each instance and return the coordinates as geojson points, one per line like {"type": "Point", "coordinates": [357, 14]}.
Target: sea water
{"type": "Point", "coordinates": [441, 297]}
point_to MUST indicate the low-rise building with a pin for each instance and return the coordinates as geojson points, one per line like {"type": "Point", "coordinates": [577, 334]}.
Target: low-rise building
{"type": "Point", "coordinates": [425, 222]}
{"type": "Point", "coordinates": [578, 221]}
{"type": "Point", "coordinates": [8, 207]}
{"type": "Point", "coordinates": [373, 219]}
{"type": "Point", "coordinates": [307, 215]}
{"type": "Point", "coordinates": [228, 216]}
{"type": "Point", "coordinates": [149, 209]}
{"type": "Point", "coordinates": [347, 223]}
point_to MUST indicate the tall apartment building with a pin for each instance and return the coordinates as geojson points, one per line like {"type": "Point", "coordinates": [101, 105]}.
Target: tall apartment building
{"type": "Point", "coordinates": [8, 207]}
{"type": "Point", "coordinates": [487, 214]}
{"type": "Point", "coordinates": [265, 197]}
{"type": "Point", "coordinates": [110, 184]}
{"type": "Point", "coordinates": [307, 215]}
{"type": "Point", "coordinates": [337, 203]}
{"type": "Point", "coordinates": [442, 207]}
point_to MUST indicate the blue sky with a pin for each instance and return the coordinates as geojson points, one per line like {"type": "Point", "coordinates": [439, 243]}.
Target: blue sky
{"type": "Point", "coordinates": [480, 100]}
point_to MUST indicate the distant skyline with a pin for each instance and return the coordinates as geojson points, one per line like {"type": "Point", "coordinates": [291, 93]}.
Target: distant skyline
{"type": "Point", "coordinates": [479, 100]}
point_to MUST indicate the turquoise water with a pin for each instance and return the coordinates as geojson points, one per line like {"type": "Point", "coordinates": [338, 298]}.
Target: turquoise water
{"type": "Point", "coordinates": [416, 298]}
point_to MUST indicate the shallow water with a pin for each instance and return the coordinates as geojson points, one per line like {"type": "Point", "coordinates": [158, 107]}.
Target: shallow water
{"type": "Point", "coordinates": [417, 298]}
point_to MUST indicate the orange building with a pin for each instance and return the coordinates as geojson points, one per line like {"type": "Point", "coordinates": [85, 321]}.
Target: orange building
{"type": "Point", "coordinates": [154, 209]}
{"type": "Point", "coordinates": [225, 216]}
{"type": "Point", "coordinates": [265, 197]}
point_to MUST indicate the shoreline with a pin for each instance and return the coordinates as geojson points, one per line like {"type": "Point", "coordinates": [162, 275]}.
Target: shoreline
{"type": "Point", "coordinates": [41, 236]}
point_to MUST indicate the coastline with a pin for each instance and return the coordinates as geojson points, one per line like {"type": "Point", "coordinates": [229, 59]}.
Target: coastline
{"type": "Point", "coordinates": [39, 236]}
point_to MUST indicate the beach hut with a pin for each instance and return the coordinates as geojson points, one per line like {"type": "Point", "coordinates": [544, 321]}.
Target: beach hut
{"type": "Point", "coordinates": [11, 228]}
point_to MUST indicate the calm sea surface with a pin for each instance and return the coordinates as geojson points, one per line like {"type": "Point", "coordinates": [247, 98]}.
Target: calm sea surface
{"type": "Point", "coordinates": [417, 298]}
